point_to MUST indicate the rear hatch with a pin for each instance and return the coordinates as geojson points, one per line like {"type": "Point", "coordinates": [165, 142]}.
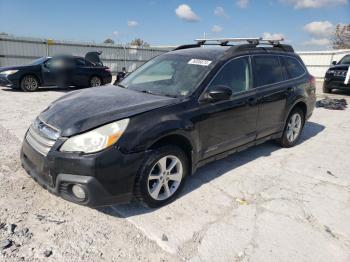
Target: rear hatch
{"type": "Point", "coordinates": [94, 57]}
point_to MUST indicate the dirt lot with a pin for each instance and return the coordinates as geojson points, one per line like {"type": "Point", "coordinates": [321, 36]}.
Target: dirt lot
{"type": "Point", "coordinates": [263, 204]}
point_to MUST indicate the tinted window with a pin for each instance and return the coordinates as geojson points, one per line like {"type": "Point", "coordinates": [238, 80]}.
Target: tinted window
{"type": "Point", "coordinates": [267, 70]}
{"type": "Point", "coordinates": [235, 75]}
{"type": "Point", "coordinates": [345, 60]}
{"type": "Point", "coordinates": [55, 63]}
{"type": "Point", "coordinates": [80, 61]}
{"type": "Point", "coordinates": [293, 66]}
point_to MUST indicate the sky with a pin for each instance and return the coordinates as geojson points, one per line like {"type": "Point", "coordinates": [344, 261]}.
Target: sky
{"type": "Point", "coordinates": [306, 24]}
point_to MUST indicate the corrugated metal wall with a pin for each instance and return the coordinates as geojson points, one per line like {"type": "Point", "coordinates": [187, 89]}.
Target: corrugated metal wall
{"type": "Point", "coordinates": [19, 51]}
{"type": "Point", "coordinates": [318, 62]}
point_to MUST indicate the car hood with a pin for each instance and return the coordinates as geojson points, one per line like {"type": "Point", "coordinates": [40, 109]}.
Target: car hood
{"type": "Point", "coordinates": [81, 111]}
{"type": "Point", "coordinates": [340, 67]}
{"type": "Point", "coordinates": [5, 68]}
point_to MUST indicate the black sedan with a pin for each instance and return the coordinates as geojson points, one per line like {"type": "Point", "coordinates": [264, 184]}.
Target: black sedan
{"type": "Point", "coordinates": [338, 76]}
{"type": "Point", "coordinates": [60, 71]}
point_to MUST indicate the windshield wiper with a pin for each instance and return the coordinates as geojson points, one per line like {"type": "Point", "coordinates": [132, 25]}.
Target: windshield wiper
{"type": "Point", "coordinates": [147, 92]}
{"type": "Point", "coordinates": [151, 93]}
{"type": "Point", "coordinates": [121, 85]}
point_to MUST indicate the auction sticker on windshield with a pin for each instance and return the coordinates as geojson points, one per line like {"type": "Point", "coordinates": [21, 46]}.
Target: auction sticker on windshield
{"type": "Point", "coordinates": [199, 62]}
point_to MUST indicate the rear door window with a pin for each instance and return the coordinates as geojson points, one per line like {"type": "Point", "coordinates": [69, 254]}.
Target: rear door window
{"type": "Point", "coordinates": [293, 66]}
{"type": "Point", "coordinates": [80, 61]}
{"type": "Point", "coordinates": [267, 70]}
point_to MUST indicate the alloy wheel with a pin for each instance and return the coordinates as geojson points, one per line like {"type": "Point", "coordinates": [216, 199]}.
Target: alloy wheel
{"type": "Point", "coordinates": [294, 127]}
{"type": "Point", "coordinates": [165, 177]}
{"type": "Point", "coordinates": [30, 83]}
{"type": "Point", "coordinates": [95, 81]}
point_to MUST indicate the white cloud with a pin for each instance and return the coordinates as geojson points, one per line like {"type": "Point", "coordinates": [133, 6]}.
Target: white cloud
{"type": "Point", "coordinates": [216, 29]}
{"type": "Point", "coordinates": [116, 33]}
{"type": "Point", "coordinates": [242, 3]}
{"type": "Point", "coordinates": [132, 23]}
{"type": "Point", "coordinates": [273, 35]}
{"type": "Point", "coordinates": [220, 11]}
{"type": "Point", "coordinates": [319, 29]}
{"type": "Point", "coordinates": [185, 12]}
{"type": "Point", "coordinates": [318, 42]}
{"type": "Point", "coordinates": [302, 4]}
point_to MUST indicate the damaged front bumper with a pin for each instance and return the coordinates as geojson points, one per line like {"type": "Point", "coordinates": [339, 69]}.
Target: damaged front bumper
{"type": "Point", "coordinates": [106, 177]}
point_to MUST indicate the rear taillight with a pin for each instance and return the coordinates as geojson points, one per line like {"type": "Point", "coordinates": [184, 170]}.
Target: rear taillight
{"type": "Point", "coordinates": [108, 70]}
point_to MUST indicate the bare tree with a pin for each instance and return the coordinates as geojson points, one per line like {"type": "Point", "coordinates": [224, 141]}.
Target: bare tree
{"type": "Point", "coordinates": [109, 41]}
{"type": "Point", "coordinates": [341, 37]}
{"type": "Point", "coordinates": [139, 42]}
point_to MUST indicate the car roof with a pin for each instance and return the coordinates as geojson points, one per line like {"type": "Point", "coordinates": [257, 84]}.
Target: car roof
{"type": "Point", "coordinates": [66, 56]}
{"type": "Point", "coordinates": [207, 53]}
{"type": "Point", "coordinates": [215, 53]}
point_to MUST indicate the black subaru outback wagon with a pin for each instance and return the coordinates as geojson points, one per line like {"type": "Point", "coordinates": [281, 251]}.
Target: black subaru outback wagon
{"type": "Point", "coordinates": [179, 111]}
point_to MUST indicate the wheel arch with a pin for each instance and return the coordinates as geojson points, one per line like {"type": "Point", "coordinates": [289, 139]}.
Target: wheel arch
{"type": "Point", "coordinates": [298, 104]}
{"type": "Point", "coordinates": [178, 140]}
{"type": "Point", "coordinates": [31, 74]}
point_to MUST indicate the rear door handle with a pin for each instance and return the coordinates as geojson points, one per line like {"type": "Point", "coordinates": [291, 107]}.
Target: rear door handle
{"type": "Point", "coordinates": [252, 101]}
{"type": "Point", "coordinates": [290, 90]}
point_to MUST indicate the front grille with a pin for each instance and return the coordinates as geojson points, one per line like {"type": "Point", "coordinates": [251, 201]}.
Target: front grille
{"type": "Point", "coordinates": [40, 139]}
{"type": "Point", "coordinates": [340, 73]}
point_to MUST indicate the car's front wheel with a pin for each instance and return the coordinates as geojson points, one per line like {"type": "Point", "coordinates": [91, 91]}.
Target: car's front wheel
{"type": "Point", "coordinates": [293, 128]}
{"type": "Point", "coordinates": [162, 176]}
{"type": "Point", "coordinates": [29, 83]}
{"type": "Point", "coordinates": [327, 90]}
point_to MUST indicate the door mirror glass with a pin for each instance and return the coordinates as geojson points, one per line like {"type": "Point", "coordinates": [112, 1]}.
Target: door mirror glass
{"type": "Point", "coordinates": [218, 93]}
{"type": "Point", "coordinates": [334, 62]}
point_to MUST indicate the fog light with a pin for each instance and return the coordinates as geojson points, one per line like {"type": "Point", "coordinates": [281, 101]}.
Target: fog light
{"type": "Point", "coordinates": [78, 191]}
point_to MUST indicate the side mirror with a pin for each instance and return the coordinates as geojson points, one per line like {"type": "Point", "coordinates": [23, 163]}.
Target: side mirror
{"type": "Point", "coordinates": [218, 93]}
{"type": "Point", "coordinates": [334, 62]}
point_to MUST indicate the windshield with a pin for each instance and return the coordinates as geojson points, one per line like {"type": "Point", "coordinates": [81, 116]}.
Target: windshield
{"type": "Point", "coordinates": [38, 61]}
{"type": "Point", "coordinates": [345, 60]}
{"type": "Point", "coordinates": [168, 75]}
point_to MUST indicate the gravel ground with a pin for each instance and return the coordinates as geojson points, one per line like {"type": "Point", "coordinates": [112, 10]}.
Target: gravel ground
{"type": "Point", "coordinates": [263, 204]}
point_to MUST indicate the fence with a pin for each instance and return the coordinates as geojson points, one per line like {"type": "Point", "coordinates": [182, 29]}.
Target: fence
{"type": "Point", "coordinates": [318, 62]}
{"type": "Point", "coordinates": [19, 50]}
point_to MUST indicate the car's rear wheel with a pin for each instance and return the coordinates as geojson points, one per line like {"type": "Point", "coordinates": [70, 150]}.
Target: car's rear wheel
{"type": "Point", "coordinates": [29, 83]}
{"type": "Point", "coordinates": [161, 176]}
{"type": "Point", "coordinates": [293, 128]}
{"type": "Point", "coordinates": [95, 81]}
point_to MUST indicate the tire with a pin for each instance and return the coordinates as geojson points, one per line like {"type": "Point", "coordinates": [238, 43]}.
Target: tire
{"type": "Point", "coordinates": [29, 83]}
{"type": "Point", "coordinates": [95, 81]}
{"type": "Point", "coordinates": [291, 135]}
{"type": "Point", "coordinates": [327, 90]}
{"type": "Point", "coordinates": [156, 186]}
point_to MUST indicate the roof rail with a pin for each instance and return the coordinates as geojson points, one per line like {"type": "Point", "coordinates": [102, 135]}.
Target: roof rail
{"type": "Point", "coordinates": [186, 46]}
{"type": "Point", "coordinates": [252, 42]}
{"type": "Point", "coordinates": [225, 41]}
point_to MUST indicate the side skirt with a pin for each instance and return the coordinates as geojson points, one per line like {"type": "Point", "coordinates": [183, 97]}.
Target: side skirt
{"type": "Point", "coordinates": [235, 150]}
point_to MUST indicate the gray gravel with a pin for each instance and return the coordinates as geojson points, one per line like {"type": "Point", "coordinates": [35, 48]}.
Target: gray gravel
{"type": "Point", "coordinates": [263, 204]}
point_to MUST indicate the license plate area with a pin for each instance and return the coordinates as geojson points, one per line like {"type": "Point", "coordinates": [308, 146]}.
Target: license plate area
{"type": "Point", "coordinates": [36, 162]}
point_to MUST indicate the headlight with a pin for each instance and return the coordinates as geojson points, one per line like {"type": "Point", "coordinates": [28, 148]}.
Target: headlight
{"type": "Point", "coordinates": [8, 72]}
{"type": "Point", "coordinates": [97, 139]}
{"type": "Point", "coordinates": [329, 71]}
